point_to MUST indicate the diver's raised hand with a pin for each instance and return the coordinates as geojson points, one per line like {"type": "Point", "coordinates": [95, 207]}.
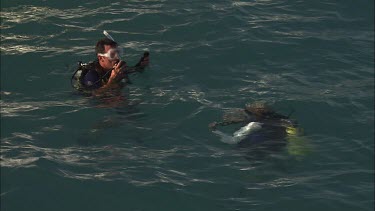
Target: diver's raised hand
{"type": "Point", "coordinates": [118, 72]}
{"type": "Point", "coordinates": [144, 61]}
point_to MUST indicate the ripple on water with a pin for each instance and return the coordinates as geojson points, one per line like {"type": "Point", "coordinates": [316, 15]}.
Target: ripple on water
{"type": "Point", "coordinates": [209, 58]}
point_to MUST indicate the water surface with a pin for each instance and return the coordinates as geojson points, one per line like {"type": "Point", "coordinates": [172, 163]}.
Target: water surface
{"type": "Point", "coordinates": [150, 147]}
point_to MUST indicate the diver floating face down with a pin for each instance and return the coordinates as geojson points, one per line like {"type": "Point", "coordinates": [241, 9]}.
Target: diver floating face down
{"type": "Point", "coordinates": [263, 131]}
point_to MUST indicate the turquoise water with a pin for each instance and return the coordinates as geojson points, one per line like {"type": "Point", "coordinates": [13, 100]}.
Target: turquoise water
{"type": "Point", "coordinates": [149, 148]}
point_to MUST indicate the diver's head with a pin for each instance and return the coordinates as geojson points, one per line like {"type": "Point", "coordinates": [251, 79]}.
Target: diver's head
{"type": "Point", "coordinates": [108, 53]}
{"type": "Point", "coordinates": [259, 109]}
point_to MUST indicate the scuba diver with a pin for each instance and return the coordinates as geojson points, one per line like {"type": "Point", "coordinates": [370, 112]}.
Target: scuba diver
{"type": "Point", "coordinates": [262, 128]}
{"type": "Point", "coordinates": [108, 71]}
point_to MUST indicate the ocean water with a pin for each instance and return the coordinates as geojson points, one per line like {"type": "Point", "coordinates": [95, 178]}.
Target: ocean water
{"type": "Point", "coordinates": [149, 146]}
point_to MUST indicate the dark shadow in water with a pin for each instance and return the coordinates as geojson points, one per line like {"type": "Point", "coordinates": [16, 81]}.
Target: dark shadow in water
{"type": "Point", "coordinates": [124, 111]}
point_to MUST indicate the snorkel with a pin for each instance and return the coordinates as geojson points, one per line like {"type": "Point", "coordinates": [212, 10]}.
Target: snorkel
{"type": "Point", "coordinates": [108, 36]}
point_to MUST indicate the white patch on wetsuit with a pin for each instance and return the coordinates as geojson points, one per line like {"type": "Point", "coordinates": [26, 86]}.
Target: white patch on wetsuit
{"type": "Point", "coordinates": [240, 134]}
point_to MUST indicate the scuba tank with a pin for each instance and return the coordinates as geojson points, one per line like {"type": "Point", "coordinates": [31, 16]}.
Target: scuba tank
{"type": "Point", "coordinates": [77, 78]}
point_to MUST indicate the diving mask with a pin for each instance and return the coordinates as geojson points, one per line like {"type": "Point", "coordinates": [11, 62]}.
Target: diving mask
{"type": "Point", "coordinates": [112, 54]}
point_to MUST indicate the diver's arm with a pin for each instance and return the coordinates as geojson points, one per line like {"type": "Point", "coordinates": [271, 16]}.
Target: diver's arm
{"type": "Point", "coordinates": [121, 71]}
{"type": "Point", "coordinates": [240, 134]}
{"type": "Point", "coordinates": [144, 61]}
{"type": "Point", "coordinates": [117, 74]}
{"type": "Point", "coordinates": [140, 66]}
{"type": "Point", "coordinates": [213, 125]}
{"type": "Point", "coordinates": [225, 138]}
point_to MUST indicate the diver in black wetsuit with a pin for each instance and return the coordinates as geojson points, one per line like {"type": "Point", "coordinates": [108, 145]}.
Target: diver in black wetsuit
{"type": "Point", "coordinates": [108, 71]}
{"type": "Point", "coordinates": [261, 127]}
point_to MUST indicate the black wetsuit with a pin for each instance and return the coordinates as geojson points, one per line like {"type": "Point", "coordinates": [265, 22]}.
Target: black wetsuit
{"type": "Point", "coordinates": [270, 138]}
{"type": "Point", "coordinates": [90, 78]}
{"type": "Point", "coordinates": [93, 79]}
